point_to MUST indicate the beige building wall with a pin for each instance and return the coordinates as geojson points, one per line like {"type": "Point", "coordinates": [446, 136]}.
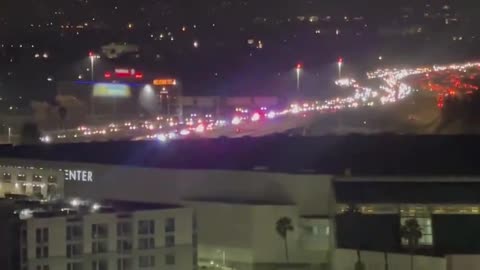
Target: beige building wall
{"type": "Point", "coordinates": [345, 259]}
{"type": "Point", "coordinates": [184, 250]}
{"type": "Point", "coordinates": [244, 236]}
{"type": "Point", "coordinates": [310, 192]}
{"type": "Point", "coordinates": [25, 179]}
{"type": "Point", "coordinates": [463, 262]}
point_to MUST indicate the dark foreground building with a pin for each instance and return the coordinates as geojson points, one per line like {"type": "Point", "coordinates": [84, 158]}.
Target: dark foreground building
{"type": "Point", "coordinates": [341, 193]}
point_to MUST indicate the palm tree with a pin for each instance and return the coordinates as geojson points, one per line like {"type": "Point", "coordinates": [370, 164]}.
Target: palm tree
{"type": "Point", "coordinates": [411, 232]}
{"type": "Point", "coordinates": [359, 265]}
{"type": "Point", "coordinates": [284, 225]}
{"type": "Point", "coordinates": [385, 256]}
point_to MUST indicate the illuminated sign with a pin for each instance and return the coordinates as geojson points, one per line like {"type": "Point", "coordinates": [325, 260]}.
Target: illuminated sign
{"type": "Point", "coordinates": [111, 90]}
{"type": "Point", "coordinates": [78, 175]}
{"type": "Point", "coordinates": [164, 82]}
{"type": "Point", "coordinates": [124, 72]}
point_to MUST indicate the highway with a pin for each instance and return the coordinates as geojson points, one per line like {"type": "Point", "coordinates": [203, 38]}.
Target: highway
{"type": "Point", "coordinates": [394, 87]}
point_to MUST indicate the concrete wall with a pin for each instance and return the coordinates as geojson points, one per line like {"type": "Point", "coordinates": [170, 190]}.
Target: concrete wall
{"type": "Point", "coordinates": [463, 262]}
{"type": "Point", "coordinates": [311, 193]}
{"type": "Point", "coordinates": [57, 242]}
{"type": "Point", "coordinates": [245, 236]}
{"type": "Point", "coordinates": [345, 259]}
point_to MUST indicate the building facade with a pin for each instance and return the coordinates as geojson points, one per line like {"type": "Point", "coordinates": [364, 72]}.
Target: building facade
{"type": "Point", "coordinates": [31, 181]}
{"type": "Point", "coordinates": [237, 211]}
{"type": "Point", "coordinates": [125, 236]}
{"type": "Point", "coordinates": [243, 236]}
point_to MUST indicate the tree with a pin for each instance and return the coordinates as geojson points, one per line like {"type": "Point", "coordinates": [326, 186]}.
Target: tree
{"type": "Point", "coordinates": [284, 225]}
{"type": "Point", "coordinates": [385, 256]}
{"type": "Point", "coordinates": [359, 265]}
{"type": "Point", "coordinates": [30, 134]}
{"type": "Point", "coordinates": [411, 232]}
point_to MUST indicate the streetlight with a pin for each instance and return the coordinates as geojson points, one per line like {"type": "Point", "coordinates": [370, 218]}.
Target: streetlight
{"type": "Point", "coordinates": [222, 252]}
{"type": "Point", "coordinates": [299, 71]}
{"type": "Point", "coordinates": [92, 57]}
{"type": "Point", "coordinates": [340, 64]}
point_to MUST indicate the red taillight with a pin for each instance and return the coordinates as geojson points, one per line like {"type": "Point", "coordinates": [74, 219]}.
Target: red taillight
{"type": "Point", "coordinates": [139, 76]}
{"type": "Point", "coordinates": [108, 75]}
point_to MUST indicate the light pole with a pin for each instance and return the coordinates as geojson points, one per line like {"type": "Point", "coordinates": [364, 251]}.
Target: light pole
{"type": "Point", "coordinates": [340, 64]}
{"type": "Point", "coordinates": [92, 57]}
{"type": "Point", "coordinates": [299, 71]}
{"type": "Point", "coordinates": [222, 252]}
{"type": "Point", "coordinates": [9, 135]}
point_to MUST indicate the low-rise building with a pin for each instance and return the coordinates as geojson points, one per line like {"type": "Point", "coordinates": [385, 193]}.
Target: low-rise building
{"type": "Point", "coordinates": [44, 183]}
{"type": "Point", "coordinates": [244, 236]}
{"type": "Point", "coordinates": [111, 235]}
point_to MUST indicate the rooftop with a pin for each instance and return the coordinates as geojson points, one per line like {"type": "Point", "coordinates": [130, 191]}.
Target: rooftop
{"type": "Point", "coordinates": [361, 155]}
{"type": "Point", "coordinates": [79, 207]}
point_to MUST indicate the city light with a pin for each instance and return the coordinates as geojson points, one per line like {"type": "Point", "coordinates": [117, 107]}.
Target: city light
{"type": "Point", "coordinates": [340, 64]}
{"type": "Point", "coordinates": [75, 202]}
{"type": "Point", "coordinates": [236, 120]}
{"type": "Point", "coordinates": [162, 137]}
{"type": "Point", "coordinates": [92, 57]}
{"type": "Point", "coordinates": [298, 71]}
{"type": "Point", "coordinates": [200, 128]}
{"type": "Point", "coordinates": [255, 117]}
{"type": "Point", "coordinates": [271, 115]}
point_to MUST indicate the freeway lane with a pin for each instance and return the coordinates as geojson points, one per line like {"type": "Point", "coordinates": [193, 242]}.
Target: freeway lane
{"type": "Point", "coordinates": [394, 87]}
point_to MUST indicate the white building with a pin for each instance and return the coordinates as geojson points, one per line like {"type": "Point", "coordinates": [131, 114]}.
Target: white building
{"type": "Point", "coordinates": [114, 236]}
{"type": "Point", "coordinates": [243, 236]}
{"type": "Point", "coordinates": [31, 181]}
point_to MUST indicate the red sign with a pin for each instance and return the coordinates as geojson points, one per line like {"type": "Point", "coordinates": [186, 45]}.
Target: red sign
{"type": "Point", "coordinates": [124, 73]}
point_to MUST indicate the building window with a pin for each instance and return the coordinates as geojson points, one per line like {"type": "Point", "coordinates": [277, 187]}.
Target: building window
{"type": "Point", "coordinates": [75, 266]}
{"type": "Point", "coordinates": [52, 179]}
{"type": "Point", "coordinates": [41, 252]}
{"type": "Point", "coordinates": [99, 247]}
{"type": "Point", "coordinates": [146, 261]}
{"type": "Point", "coordinates": [41, 235]}
{"type": "Point", "coordinates": [124, 264]}
{"type": "Point", "coordinates": [23, 236]}
{"type": "Point", "coordinates": [170, 259]}
{"type": "Point", "coordinates": [23, 255]}
{"type": "Point", "coordinates": [74, 232]}
{"type": "Point", "coordinates": [74, 250]}
{"type": "Point", "coordinates": [124, 229]}
{"type": "Point", "coordinates": [454, 209]}
{"type": "Point", "coordinates": [169, 241]}
{"type": "Point", "coordinates": [194, 239]}
{"type": "Point", "coordinates": [7, 177]}
{"type": "Point", "coordinates": [170, 225]}
{"type": "Point", "coordinates": [21, 177]}
{"type": "Point", "coordinates": [24, 189]}
{"type": "Point", "coordinates": [43, 267]}
{"type": "Point", "coordinates": [146, 227]}
{"type": "Point", "coordinates": [99, 231]}
{"type": "Point", "coordinates": [425, 224]}
{"type": "Point", "coordinates": [100, 265]}
{"type": "Point", "coordinates": [146, 243]}
{"type": "Point", "coordinates": [37, 178]}
{"type": "Point", "coordinates": [37, 191]}
{"type": "Point", "coordinates": [194, 222]}
{"type": "Point", "coordinates": [51, 189]}
{"type": "Point", "coordinates": [124, 246]}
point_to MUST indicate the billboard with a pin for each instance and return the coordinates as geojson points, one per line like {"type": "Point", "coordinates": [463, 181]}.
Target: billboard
{"type": "Point", "coordinates": [111, 90]}
{"type": "Point", "coordinates": [164, 82]}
